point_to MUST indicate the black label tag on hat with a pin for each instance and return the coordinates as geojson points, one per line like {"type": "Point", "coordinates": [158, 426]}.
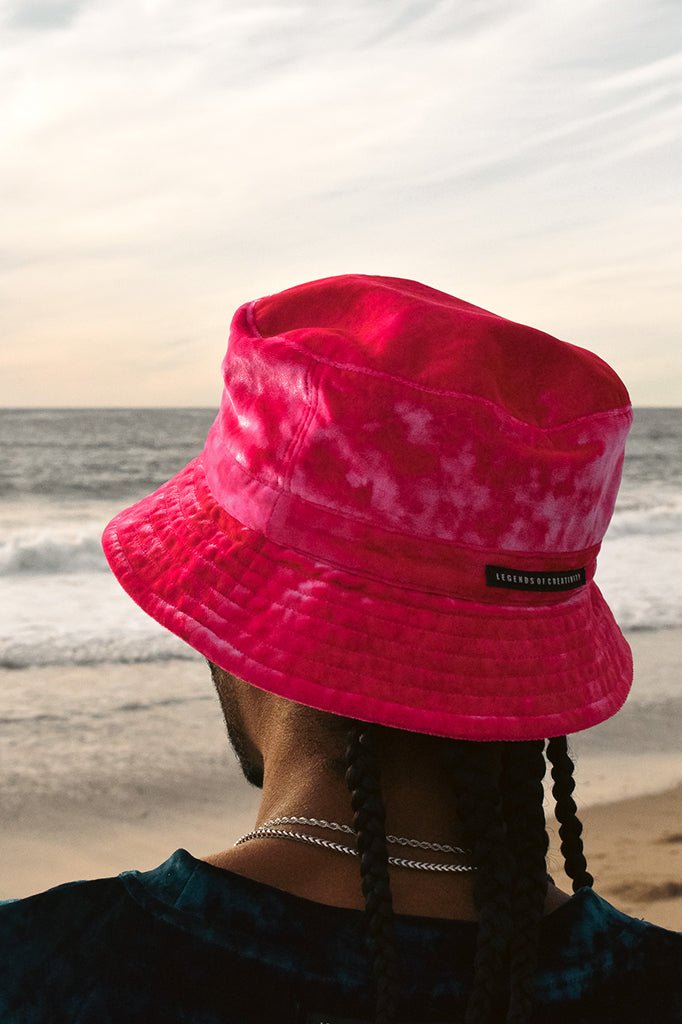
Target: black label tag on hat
{"type": "Point", "coordinates": [524, 579]}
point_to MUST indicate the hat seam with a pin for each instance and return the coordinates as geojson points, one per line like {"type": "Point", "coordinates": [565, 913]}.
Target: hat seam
{"type": "Point", "coordinates": [297, 436]}
{"type": "Point", "coordinates": [312, 399]}
{"type": "Point", "coordinates": [440, 392]}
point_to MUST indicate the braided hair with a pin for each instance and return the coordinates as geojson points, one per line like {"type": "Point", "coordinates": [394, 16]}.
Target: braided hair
{"type": "Point", "coordinates": [522, 774]}
{"type": "Point", "coordinates": [570, 828]}
{"type": "Point", "coordinates": [498, 795]}
{"type": "Point", "coordinates": [476, 770]}
{"type": "Point", "coordinates": [362, 776]}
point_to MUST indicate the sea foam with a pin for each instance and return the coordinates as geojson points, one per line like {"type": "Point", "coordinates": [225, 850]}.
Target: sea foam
{"type": "Point", "coordinates": [53, 552]}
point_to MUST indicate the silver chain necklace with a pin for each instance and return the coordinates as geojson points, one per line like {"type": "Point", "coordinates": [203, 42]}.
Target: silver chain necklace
{"type": "Point", "coordinates": [271, 830]}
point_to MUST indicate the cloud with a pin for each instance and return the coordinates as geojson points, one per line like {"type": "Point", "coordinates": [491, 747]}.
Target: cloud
{"type": "Point", "coordinates": [42, 15]}
{"type": "Point", "coordinates": [166, 161]}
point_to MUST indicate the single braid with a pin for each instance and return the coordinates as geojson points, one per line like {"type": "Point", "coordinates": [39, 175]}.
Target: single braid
{"type": "Point", "coordinates": [570, 827]}
{"type": "Point", "coordinates": [362, 777]}
{"type": "Point", "coordinates": [523, 769]}
{"type": "Point", "coordinates": [476, 770]}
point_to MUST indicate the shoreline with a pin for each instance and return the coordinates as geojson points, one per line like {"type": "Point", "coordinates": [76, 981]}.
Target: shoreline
{"type": "Point", "coordinates": [133, 736]}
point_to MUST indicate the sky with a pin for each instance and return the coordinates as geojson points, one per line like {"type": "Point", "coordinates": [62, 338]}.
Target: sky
{"type": "Point", "coordinates": [163, 162]}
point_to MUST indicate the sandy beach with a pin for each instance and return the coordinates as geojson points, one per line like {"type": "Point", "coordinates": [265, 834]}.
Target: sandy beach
{"type": "Point", "coordinates": [111, 767]}
{"type": "Point", "coordinates": [634, 851]}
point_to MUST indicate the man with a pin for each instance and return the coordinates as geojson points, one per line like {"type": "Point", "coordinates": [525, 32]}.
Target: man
{"type": "Point", "coordinates": [386, 551]}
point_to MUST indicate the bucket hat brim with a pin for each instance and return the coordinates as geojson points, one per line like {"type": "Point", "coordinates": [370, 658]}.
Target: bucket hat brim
{"type": "Point", "coordinates": [359, 647]}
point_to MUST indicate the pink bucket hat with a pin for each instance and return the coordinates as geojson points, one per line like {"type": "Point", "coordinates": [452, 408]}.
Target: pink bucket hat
{"type": "Point", "coordinates": [396, 516]}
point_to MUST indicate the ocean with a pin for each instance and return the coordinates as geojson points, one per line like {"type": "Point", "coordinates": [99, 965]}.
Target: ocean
{"type": "Point", "coordinates": [64, 473]}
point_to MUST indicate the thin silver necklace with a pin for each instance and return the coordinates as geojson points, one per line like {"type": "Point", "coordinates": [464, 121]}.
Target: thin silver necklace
{"type": "Point", "coordinates": [270, 830]}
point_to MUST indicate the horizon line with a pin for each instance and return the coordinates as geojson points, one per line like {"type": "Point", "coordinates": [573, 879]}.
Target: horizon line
{"type": "Point", "coordinates": [176, 408]}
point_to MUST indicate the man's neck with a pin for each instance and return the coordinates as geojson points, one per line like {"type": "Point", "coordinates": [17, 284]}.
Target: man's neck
{"type": "Point", "coordinates": [419, 804]}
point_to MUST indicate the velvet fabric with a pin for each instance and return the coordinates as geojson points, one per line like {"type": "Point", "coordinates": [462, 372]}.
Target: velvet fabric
{"type": "Point", "coordinates": [378, 446]}
{"type": "Point", "coordinates": [188, 943]}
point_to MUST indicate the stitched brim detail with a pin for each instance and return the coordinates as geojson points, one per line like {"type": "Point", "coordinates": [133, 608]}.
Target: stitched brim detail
{"type": "Point", "coordinates": [358, 647]}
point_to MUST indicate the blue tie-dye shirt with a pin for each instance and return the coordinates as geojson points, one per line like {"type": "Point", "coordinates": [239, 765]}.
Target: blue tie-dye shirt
{"type": "Point", "coordinates": [191, 943]}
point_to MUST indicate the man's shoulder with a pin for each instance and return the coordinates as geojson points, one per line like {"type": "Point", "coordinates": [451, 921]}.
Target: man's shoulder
{"type": "Point", "coordinates": [46, 938]}
{"type": "Point", "coordinates": [34, 927]}
{"type": "Point", "coordinates": [597, 937]}
{"type": "Point", "coordinates": [141, 947]}
{"type": "Point", "coordinates": [81, 895]}
{"type": "Point", "coordinates": [600, 964]}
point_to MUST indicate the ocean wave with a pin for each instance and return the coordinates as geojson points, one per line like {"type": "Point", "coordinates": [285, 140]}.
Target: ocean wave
{"type": "Point", "coordinates": [648, 518]}
{"type": "Point", "coordinates": [53, 553]}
